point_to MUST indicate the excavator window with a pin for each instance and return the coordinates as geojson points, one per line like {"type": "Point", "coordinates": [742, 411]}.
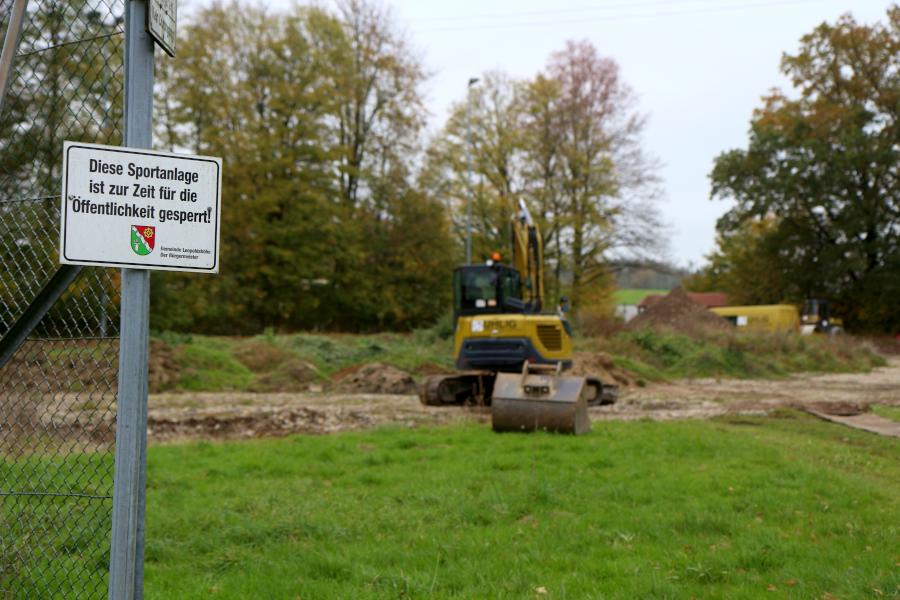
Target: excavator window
{"type": "Point", "coordinates": [486, 289]}
{"type": "Point", "coordinates": [510, 283]}
{"type": "Point", "coordinates": [815, 311]}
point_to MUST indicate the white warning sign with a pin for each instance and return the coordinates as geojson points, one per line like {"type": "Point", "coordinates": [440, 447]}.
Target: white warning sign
{"type": "Point", "coordinates": [127, 207]}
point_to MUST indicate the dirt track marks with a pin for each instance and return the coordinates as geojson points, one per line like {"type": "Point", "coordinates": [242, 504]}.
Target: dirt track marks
{"type": "Point", "coordinates": [709, 397]}
{"type": "Point", "coordinates": [236, 416]}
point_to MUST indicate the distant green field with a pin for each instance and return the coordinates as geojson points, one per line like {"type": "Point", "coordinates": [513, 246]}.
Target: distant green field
{"type": "Point", "coordinates": [746, 507]}
{"type": "Point", "coordinates": [633, 296]}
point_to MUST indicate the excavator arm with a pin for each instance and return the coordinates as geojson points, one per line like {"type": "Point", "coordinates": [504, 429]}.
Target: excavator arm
{"type": "Point", "coordinates": [528, 257]}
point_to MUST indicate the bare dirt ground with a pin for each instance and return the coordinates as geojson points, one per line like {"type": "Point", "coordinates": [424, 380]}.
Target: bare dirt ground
{"type": "Point", "coordinates": [700, 398]}
{"type": "Point", "coordinates": [236, 416]}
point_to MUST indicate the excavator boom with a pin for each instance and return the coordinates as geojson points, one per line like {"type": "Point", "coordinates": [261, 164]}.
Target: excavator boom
{"type": "Point", "coordinates": [528, 257]}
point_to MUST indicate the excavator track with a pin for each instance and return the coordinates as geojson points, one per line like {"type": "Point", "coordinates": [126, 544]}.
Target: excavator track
{"type": "Point", "coordinates": [540, 398]}
{"type": "Point", "coordinates": [473, 388]}
{"type": "Point", "coordinates": [599, 393]}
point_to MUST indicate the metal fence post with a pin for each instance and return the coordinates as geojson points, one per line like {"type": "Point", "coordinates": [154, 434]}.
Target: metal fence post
{"type": "Point", "coordinates": [11, 44]}
{"type": "Point", "coordinates": [127, 550]}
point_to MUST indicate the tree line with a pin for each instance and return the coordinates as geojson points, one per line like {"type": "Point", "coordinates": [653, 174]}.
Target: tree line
{"type": "Point", "coordinates": [341, 212]}
{"type": "Point", "coordinates": [338, 213]}
{"type": "Point", "coordinates": [568, 142]}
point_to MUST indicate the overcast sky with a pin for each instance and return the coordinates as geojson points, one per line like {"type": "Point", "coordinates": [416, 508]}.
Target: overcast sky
{"type": "Point", "coordinates": [699, 68]}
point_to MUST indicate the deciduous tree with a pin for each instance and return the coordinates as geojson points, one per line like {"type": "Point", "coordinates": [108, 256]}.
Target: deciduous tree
{"type": "Point", "coordinates": [483, 132]}
{"type": "Point", "coordinates": [606, 178]}
{"type": "Point", "coordinates": [822, 163]}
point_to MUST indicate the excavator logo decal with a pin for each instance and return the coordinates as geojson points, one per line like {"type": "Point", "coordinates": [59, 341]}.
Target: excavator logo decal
{"type": "Point", "coordinates": [501, 324]}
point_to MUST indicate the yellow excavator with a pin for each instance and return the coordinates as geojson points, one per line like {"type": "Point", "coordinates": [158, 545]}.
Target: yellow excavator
{"type": "Point", "coordinates": [510, 355]}
{"type": "Point", "coordinates": [816, 317]}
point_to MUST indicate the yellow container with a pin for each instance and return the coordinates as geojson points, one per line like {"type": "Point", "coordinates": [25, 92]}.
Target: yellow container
{"type": "Point", "coordinates": [767, 317]}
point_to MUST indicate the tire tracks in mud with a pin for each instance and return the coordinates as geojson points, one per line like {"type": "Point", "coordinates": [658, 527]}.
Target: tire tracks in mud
{"type": "Point", "coordinates": [246, 415]}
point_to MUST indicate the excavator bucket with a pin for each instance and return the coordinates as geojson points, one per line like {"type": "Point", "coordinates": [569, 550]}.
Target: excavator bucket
{"type": "Point", "coordinates": [539, 401]}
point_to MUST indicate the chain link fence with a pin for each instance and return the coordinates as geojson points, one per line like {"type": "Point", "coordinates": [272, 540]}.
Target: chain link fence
{"type": "Point", "coordinates": [57, 392]}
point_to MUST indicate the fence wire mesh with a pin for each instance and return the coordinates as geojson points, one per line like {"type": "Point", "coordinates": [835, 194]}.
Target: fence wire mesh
{"type": "Point", "coordinates": [57, 393]}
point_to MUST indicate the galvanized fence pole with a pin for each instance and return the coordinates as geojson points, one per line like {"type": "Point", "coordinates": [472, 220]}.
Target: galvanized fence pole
{"type": "Point", "coordinates": [127, 550]}
{"type": "Point", "coordinates": [11, 44]}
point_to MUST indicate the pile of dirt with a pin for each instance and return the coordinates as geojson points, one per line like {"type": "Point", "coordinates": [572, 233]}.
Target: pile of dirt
{"type": "Point", "coordinates": [47, 366]}
{"type": "Point", "coordinates": [886, 344]}
{"type": "Point", "coordinates": [163, 368]}
{"type": "Point", "coordinates": [597, 364]}
{"type": "Point", "coordinates": [432, 369]}
{"type": "Point", "coordinates": [292, 375]}
{"type": "Point", "coordinates": [260, 357]}
{"type": "Point", "coordinates": [374, 378]}
{"type": "Point", "coordinates": [840, 409]}
{"type": "Point", "coordinates": [678, 312]}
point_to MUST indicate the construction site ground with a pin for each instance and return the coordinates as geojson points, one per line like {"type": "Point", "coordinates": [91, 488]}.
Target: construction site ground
{"type": "Point", "coordinates": [185, 416]}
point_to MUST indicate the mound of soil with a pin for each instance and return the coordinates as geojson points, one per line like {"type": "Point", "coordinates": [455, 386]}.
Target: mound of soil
{"type": "Point", "coordinates": [600, 365]}
{"type": "Point", "coordinates": [432, 369]}
{"type": "Point", "coordinates": [677, 312]}
{"type": "Point", "coordinates": [374, 378]}
{"type": "Point", "coordinates": [886, 344]}
{"type": "Point", "coordinates": [840, 409]}
{"type": "Point", "coordinates": [260, 357]}
{"type": "Point", "coordinates": [163, 369]}
{"type": "Point", "coordinates": [56, 365]}
{"type": "Point", "coordinates": [292, 375]}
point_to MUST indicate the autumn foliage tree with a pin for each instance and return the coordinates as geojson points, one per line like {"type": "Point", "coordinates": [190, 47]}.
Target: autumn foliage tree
{"type": "Point", "coordinates": [54, 94]}
{"type": "Point", "coordinates": [483, 132]}
{"type": "Point", "coordinates": [606, 179]}
{"type": "Point", "coordinates": [747, 264]}
{"type": "Point", "coordinates": [821, 168]}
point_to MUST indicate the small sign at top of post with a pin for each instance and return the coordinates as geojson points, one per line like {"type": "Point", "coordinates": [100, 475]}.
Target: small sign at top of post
{"type": "Point", "coordinates": [161, 23]}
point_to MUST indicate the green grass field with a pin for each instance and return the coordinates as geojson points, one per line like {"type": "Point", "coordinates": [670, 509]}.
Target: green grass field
{"type": "Point", "coordinates": [634, 296]}
{"type": "Point", "coordinates": [782, 507]}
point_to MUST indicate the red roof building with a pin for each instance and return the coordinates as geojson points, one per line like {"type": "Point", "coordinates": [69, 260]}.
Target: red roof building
{"type": "Point", "coordinates": [705, 299]}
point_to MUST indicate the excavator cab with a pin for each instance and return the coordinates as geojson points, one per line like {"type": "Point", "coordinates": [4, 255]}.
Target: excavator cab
{"type": "Point", "coordinates": [815, 311]}
{"type": "Point", "coordinates": [487, 289]}
{"type": "Point", "coordinates": [496, 329]}
{"type": "Point", "coordinates": [816, 318]}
